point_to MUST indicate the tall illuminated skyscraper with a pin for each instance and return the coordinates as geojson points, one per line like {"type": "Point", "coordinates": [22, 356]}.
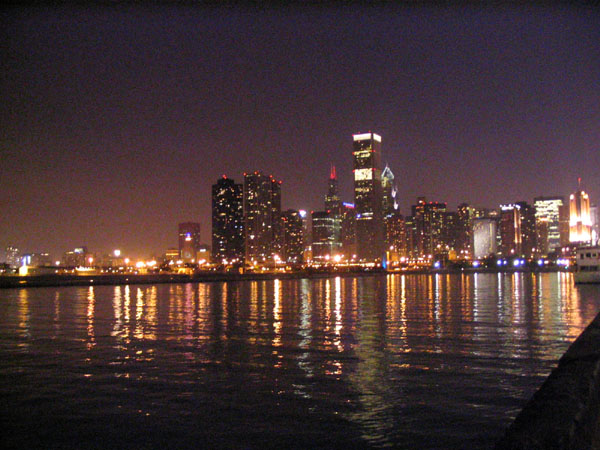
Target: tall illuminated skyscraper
{"type": "Point", "coordinates": [580, 221]}
{"type": "Point", "coordinates": [547, 216]}
{"type": "Point", "coordinates": [227, 221]}
{"type": "Point", "coordinates": [332, 199]}
{"type": "Point", "coordinates": [390, 205]}
{"type": "Point", "coordinates": [262, 217]}
{"type": "Point", "coordinates": [368, 196]}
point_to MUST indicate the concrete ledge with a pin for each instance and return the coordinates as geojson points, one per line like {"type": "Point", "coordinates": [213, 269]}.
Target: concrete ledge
{"type": "Point", "coordinates": [564, 413]}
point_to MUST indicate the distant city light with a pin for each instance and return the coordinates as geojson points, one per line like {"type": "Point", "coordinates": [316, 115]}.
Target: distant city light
{"type": "Point", "coordinates": [117, 253]}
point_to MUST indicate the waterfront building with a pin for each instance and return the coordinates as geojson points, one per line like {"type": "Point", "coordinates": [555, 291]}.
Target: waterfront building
{"type": "Point", "coordinates": [262, 218]}
{"type": "Point", "coordinates": [395, 236]}
{"type": "Point", "coordinates": [548, 212]}
{"type": "Point", "coordinates": [227, 221]}
{"type": "Point", "coordinates": [326, 229]}
{"type": "Point", "coordinates": [389, 192]}
{"type": "Point", "coordinates": [368, 197]}
{"type": "Point", "coordinates": [75, 258]}
{"type": "Point", "coordinates": [595, 225]}
{"type": "Point", "coordinates": [348, 230]}
{"type": "Point", "coordinates": [332, 199]}
{"type": "Point", "coordinates": [13, 256]}
{"type": "Point", "coordinates": [172, 254]}
{"type": "Point", "coordinates": [484, 237]}
{"type": "Point", "coordinates": [189, 241]}
{"type": "Point", "coordinates": [203, 255]}
{"type": "Point", "coordinates": [580, 221]}
{"type": "Point", "coordinates": [293, 237]}
{"type": "Point", "coordinates": [510, 230]}
{"type": "Point", "coordinates": [528, 231]}
{"type": "Point", "coordinates": [464, 230]}
{"type": "Point", "coordinates": [428, 220]}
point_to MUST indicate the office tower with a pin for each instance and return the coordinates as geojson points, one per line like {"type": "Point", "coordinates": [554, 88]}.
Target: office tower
{"type": "Point", "coordinates": [395, 236]}
{"type": "Point", "coordinates": [449, 236]}
{"type": "Point", "coordinates": [528, 232]}
{"type": "Point", "coordinates": [189, 241]}
{"type": "Point", "coordinates": [429, 222]}
{"type": "Point", "coordinates": [389, 192]}
{"type": "Point", "coordinates": [332, 199]}
{"type": "Point", "coordinates": [412, 237]}
{"type": "Point", "coordinates": [464, 230]}
{"type": "Point", "coordinates": [580, 221]}
{"type": "Point", "coordinates": [595, 224]}
{"type": "Point", "coordinates": [348, 230]}
{"type": "Point", "coordinates": [13, 256]}
{"type": "Point", "coordinates": [368, 198]}
{"type": "Point", "coordinates": [75, 258]}
{"type": "Point", "coordinates": [227, 221]}
{"type": "Point", "coordinates": [547, 217]}
{"type": "Point", "coordinates": [510, 230]}
{"type": "Point", "coordinates": [484, 237]}
{"type": "Point", "coordinates": [326, 229]}
{"type": "Point", "coordinates": [293, 237]}
{"type": "Point", "coordinates": [262, 218]}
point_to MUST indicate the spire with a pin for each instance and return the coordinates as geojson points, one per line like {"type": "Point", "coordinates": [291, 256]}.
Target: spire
{"type": "Point", "coordinates": [332, 175]}
{"type": "Point", "coordinates": [579, 182]}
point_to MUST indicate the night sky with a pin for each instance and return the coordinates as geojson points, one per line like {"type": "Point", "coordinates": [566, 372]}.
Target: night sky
{"type": "Point", "coordinates": [117, 121]}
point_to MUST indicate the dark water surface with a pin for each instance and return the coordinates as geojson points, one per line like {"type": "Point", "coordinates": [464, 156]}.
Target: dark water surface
{"type": "Point", "coordinates": [417, 361]}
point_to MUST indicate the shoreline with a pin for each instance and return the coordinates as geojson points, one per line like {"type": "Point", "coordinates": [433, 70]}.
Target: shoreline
{"type": "Point", "coordinates": [59, 280]}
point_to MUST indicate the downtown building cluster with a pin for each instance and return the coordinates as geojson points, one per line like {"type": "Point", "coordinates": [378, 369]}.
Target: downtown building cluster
{"type": "Point", "coordinates": [250, 228]}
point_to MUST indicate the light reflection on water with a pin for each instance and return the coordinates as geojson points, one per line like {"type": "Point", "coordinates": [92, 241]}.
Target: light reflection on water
{"type": "Point", "coordinates": [428, 361]}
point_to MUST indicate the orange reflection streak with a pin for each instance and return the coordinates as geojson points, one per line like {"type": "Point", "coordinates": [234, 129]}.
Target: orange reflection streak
{"type": "Point", "coordinates": [91, 305]}
{"type": "Point", "coordinates": [24, 315]}
{"type": "Point", "coordinates": [139, 311]}
{"type": "Point", "coordinates": [277, 313]}
{"type": "Point", "coordinates": [117, 327]}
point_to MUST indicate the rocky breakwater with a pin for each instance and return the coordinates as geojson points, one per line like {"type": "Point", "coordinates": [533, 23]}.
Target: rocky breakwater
{"type": "Point", "coordinates": [565, 412]}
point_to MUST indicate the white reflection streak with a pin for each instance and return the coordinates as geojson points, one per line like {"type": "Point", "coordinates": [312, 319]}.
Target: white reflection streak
{"type": "Point", "coordinates": [338, 313]}
{"type": "Point", "coordinates": [57, 312]}
{"type": "Point", "coordinates": [90, 317]}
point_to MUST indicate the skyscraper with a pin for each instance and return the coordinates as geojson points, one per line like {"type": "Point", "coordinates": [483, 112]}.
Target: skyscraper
{"type": "Point", "coordinates": [227, 221]}
{"type": "Point", "coordinates": [390, 205]}
{"type": "Point", "coordinates": [262, 217]}
{"type": "Point", "coordinates": [326, 229]}
{"type": "Point", "coordinates": [368, 196]}
{"type": "Point", "coordinates": [429, 222]}
{"type": "Point", "coordinates": [510, 230]}
{"type": "Point", "coordinates": [580, 221]}
{"type": "Point", "coordinates": [332, 199]}
{"type": "Point", "coordinates": [293, 237]}
{"type": "Point", "coordinates": [189, 240]}
{"type": "Point", "coordinates": [484, 237]}
{"type": "Point", "coordinates": [548, 216]}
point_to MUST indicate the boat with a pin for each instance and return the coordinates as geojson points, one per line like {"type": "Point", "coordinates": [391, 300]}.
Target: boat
{"type": "Point", "coordinates": [588, 265]}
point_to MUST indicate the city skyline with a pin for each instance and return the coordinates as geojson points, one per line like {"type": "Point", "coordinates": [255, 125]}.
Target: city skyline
{"type": "Point", "coordinates": [111, 146]}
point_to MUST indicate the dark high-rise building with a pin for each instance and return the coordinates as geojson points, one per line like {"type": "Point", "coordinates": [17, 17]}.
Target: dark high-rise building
{"type": "Point", "coordinates": [510, 230]}
{"type": "Point", "coordinates": [368, 196]}
{"type": "Point", "coordinates": [429, 222]}
{"type": "Point", "coordinates": [326, 229]}
{"type": "Point", "coordinates": [227, 221]}
{"type": "Point", "coordinates": [262, 217]}
{"type": "Point", "coordinates": [395, 234]}
{"type": "Point", "coordinates": [528, 231]}
{"type": "Point", "coordinates": [348, 231]}
{"type": "Point", "coordinates": [189, 240]}
{"type": "Point", "coordinates": [293, 236]}
{"type": "Point", "coordinates": [332, 199]}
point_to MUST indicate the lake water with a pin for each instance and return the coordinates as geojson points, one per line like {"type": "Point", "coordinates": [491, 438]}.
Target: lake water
{"type": "Point", "coordinates": [404, 361]}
